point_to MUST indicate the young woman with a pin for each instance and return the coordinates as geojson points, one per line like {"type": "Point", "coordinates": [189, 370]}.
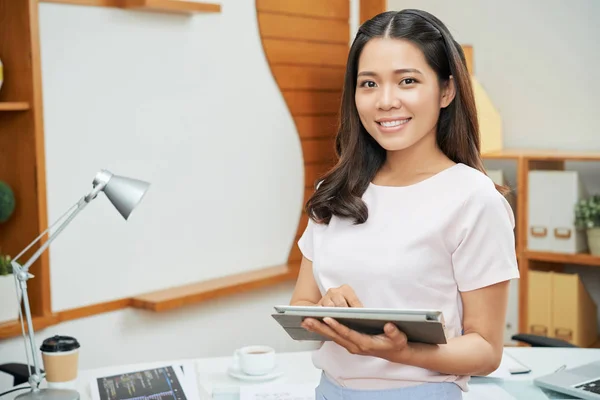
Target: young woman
{"type": "Point", "coordinates": [407, 219]}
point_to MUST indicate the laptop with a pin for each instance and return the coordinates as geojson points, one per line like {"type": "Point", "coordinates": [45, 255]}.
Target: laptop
{"type": "Point", "coordinates": [581, 382]}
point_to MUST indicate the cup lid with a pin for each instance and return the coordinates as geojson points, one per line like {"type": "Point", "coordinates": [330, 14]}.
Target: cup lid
{"type": "Point", "coordinates": [59, 343]}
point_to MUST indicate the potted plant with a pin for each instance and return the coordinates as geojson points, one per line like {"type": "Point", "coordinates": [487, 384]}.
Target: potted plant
{"type": "Point", "coordinates": [7, 202]}
{"type": "Point", "coordinates": [8, 294]}
{"type": "Point", "coordinates": [587, 217]}
{"type": "Point", "coordinates": [9, 310]}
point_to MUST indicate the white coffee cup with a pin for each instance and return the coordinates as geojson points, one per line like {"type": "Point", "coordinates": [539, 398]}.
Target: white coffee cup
{"type": "Point", "coordinates": [254, 360]}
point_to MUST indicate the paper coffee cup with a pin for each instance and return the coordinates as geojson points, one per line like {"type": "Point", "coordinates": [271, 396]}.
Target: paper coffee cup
{"type": "Point", "coordinates": [61, 361]}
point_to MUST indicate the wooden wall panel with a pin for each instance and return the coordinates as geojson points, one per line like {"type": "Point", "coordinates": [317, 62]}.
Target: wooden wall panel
{"type": "Point", "coordinates": [330, 9]}
{"type": "Point", "coordinates": [370, 8]}
{"type": "Point", "coordinates": [319, 151]}
{"type": "Point", "coordinates": [276, 26]}
{"type": "Point", "coordinates": [319, 78]}
{"type": "Point", "coordinates": [295, 253]}
{"type": "Point", "coordinates": [312, 172]}
{"type": "Point", "coordinates": [304, 53]}
{"type": "Point", "coordinates": [312, 102]}
{"type": "Point", "coordinates": [307, 193]}
{"type": "Point", "coordinates": [314, 126]}
{"type": "Point", "coordinates": [306, 43]}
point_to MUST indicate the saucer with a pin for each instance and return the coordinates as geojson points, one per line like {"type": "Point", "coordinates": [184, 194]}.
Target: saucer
{"type": "Point", "coordinates": [239, 374]}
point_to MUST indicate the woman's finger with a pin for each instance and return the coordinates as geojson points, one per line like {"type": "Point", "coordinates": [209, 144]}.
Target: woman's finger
{"type": "Point", "coordinates": [339, 300]}
{"type": "Point", "coordinates": [352, 299]}
{"type": "Point", "coordinates": [327, 302]}
{"type": "Point", "coordinates": [325, 330]}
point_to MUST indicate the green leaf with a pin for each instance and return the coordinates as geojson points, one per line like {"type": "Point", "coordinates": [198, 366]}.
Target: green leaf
{"type": "Point", "coordinates": [7, 202]}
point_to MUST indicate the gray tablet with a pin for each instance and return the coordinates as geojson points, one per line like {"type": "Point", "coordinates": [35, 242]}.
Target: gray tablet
{"type": "Point", "coordinates": [424, 326]}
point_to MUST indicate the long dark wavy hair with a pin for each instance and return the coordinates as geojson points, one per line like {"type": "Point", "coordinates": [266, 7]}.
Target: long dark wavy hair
{"type": "Point", "coordinates": [339, 192]}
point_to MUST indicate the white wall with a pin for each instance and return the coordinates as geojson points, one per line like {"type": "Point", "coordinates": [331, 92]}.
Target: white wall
{"type": "Point", "coordinates": [189, 104]}
{"type": "Point", "coordinates": [537, 60]}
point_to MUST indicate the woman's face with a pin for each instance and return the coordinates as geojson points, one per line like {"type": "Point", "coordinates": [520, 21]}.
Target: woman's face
{"type": "Point", "coordinates": [398, 96]}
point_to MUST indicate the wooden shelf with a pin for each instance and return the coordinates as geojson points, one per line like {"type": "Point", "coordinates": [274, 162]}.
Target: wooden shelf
{"type": "Point", "coordinates": [169, 6]}
{"type": "Point", "coordinates": [180, 296]}
{"type": "Point", "coordinates": [168, 299]}
{"type": "Point", "coordinates": [580, 258]}
{"type": "Point", "coordinates": [503, 155]}
{"type": "Point", "coordinates": [14, 106]}
{"type": "Point", "coordinates": [177, 6]}
{"type": "Point", "coordinates": [13, 328]}
{"type": "Point", "coordinates": [543, 155]}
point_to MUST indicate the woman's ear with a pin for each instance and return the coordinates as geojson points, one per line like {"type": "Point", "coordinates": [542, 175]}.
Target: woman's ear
{"type": "Point", "coordinates": [448, 93]}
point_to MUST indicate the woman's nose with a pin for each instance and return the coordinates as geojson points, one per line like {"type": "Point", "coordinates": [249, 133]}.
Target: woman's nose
{"type": "Point", "coordinates": [388, 99]}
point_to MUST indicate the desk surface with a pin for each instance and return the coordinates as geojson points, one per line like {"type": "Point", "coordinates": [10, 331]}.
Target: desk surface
{"type": "Point", "coordinates": [298, 368]}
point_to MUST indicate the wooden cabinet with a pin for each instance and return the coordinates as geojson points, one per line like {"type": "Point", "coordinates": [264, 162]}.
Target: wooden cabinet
{"type": "Point", "coordinates": [526, 161]}
{"type": "Point", "coordinates": [22, 162]}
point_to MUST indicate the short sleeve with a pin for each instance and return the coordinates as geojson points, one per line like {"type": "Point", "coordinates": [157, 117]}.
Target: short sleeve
{"type": "Point", "coordinates": [305, 243]}
{"type": "Point", "coordinates": [485, 253]}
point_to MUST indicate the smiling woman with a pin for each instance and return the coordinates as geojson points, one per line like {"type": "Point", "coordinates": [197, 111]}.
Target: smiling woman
{"type": "Point", "coordinates": [406, 219]}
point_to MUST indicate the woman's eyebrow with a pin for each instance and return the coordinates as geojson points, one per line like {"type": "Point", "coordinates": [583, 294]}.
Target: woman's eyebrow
{"type": "Point", "coordinates": [398, 71]}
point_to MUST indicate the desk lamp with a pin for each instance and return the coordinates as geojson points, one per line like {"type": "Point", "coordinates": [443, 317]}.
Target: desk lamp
{"type": "Point", "coordinates": [124, 193]}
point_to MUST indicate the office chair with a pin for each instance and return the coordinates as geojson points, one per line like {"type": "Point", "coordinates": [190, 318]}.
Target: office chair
{"type": "Point", "coordinates": [541, 341]}
{"type": "Point", "coordinates": [18, 372]}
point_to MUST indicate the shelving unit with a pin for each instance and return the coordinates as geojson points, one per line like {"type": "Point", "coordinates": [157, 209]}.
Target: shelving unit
{"type": "Point", "coordinates": [528, 160]}
{"type": "Point", "coordinates": [167, 6]}
{"type": "Point", "coordinates": [14, 106]}
{"type": "Point", "coordinates": [22, 157]}
{"type": "Point", "coordinates": [577, 259]}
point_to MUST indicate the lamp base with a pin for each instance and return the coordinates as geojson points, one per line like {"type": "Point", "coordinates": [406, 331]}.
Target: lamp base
{"type": "Point", "coordinates": [49, 394]}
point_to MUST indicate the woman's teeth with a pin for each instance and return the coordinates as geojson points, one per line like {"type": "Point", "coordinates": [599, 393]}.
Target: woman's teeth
{"type": "Point", "coordinates": [389, 124]}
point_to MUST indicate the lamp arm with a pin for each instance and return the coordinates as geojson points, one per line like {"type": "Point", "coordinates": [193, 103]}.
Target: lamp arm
{"type": "Point", "coordinates": [25, 268]}
{"type": "Point", "coordinates": [98, 187]}
{"type": "Point", "coordinates": [22, 275]}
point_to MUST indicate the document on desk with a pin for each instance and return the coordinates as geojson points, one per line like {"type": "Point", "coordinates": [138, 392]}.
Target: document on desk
{"type": "Point", "coordinates": [279, 391]}
{"type": "Point", "coordinates": [176, 382]}
{"type": "Point", "coordinates": [509, 367]}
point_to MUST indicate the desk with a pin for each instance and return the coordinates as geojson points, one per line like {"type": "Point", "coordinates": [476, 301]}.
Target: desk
{"type": "Point", "coordinates": [298, 368]}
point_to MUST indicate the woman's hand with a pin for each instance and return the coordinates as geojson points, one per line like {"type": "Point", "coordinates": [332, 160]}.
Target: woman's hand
{"type": "Point", "coordinates": [342, 296]}
{"type": "Point", "coordinates": [392, 345]}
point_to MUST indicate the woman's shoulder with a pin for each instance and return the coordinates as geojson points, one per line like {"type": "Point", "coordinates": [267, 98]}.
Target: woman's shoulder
{"type": "Point", "coordinates": [473, 182]}
{"type": "Point", "coordinates": [480, 194]}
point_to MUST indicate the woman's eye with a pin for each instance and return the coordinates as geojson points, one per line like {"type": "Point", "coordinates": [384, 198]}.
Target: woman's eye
{"type": "Point", "coordinates": [408, 81]}
{"type": "Point", "coordinates": [368, 84]}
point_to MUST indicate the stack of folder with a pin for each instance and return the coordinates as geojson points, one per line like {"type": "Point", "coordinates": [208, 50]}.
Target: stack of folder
{"type": "Point", "coordinates": [559, 306]}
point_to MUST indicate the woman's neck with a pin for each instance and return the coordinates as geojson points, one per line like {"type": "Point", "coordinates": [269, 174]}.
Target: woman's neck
{"type": "Point", "coordinates": [411, 165]}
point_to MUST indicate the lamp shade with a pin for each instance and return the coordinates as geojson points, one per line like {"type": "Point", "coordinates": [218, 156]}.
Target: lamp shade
{"type": "Point", "coordinates": [125, 193]}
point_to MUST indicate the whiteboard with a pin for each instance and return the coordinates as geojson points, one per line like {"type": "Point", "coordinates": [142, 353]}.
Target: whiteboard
{"type": "Point", "coordinates": [188, 104]}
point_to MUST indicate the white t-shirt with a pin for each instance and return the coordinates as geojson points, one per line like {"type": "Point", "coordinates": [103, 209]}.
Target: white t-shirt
{"type": "Point", "coordinates": [420, 247]}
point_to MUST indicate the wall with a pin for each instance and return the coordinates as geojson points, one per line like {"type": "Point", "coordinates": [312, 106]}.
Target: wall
{"type": "Point", "coordinates": [537, 60]}
{"type": "Point", "coordinates": [187, 103]}
{"type": "Point", "coordinates": [191, 105]}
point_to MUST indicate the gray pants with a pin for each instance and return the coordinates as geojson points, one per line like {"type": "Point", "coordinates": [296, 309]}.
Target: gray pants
{"type": "Point", "coordinates": [328, 390]}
